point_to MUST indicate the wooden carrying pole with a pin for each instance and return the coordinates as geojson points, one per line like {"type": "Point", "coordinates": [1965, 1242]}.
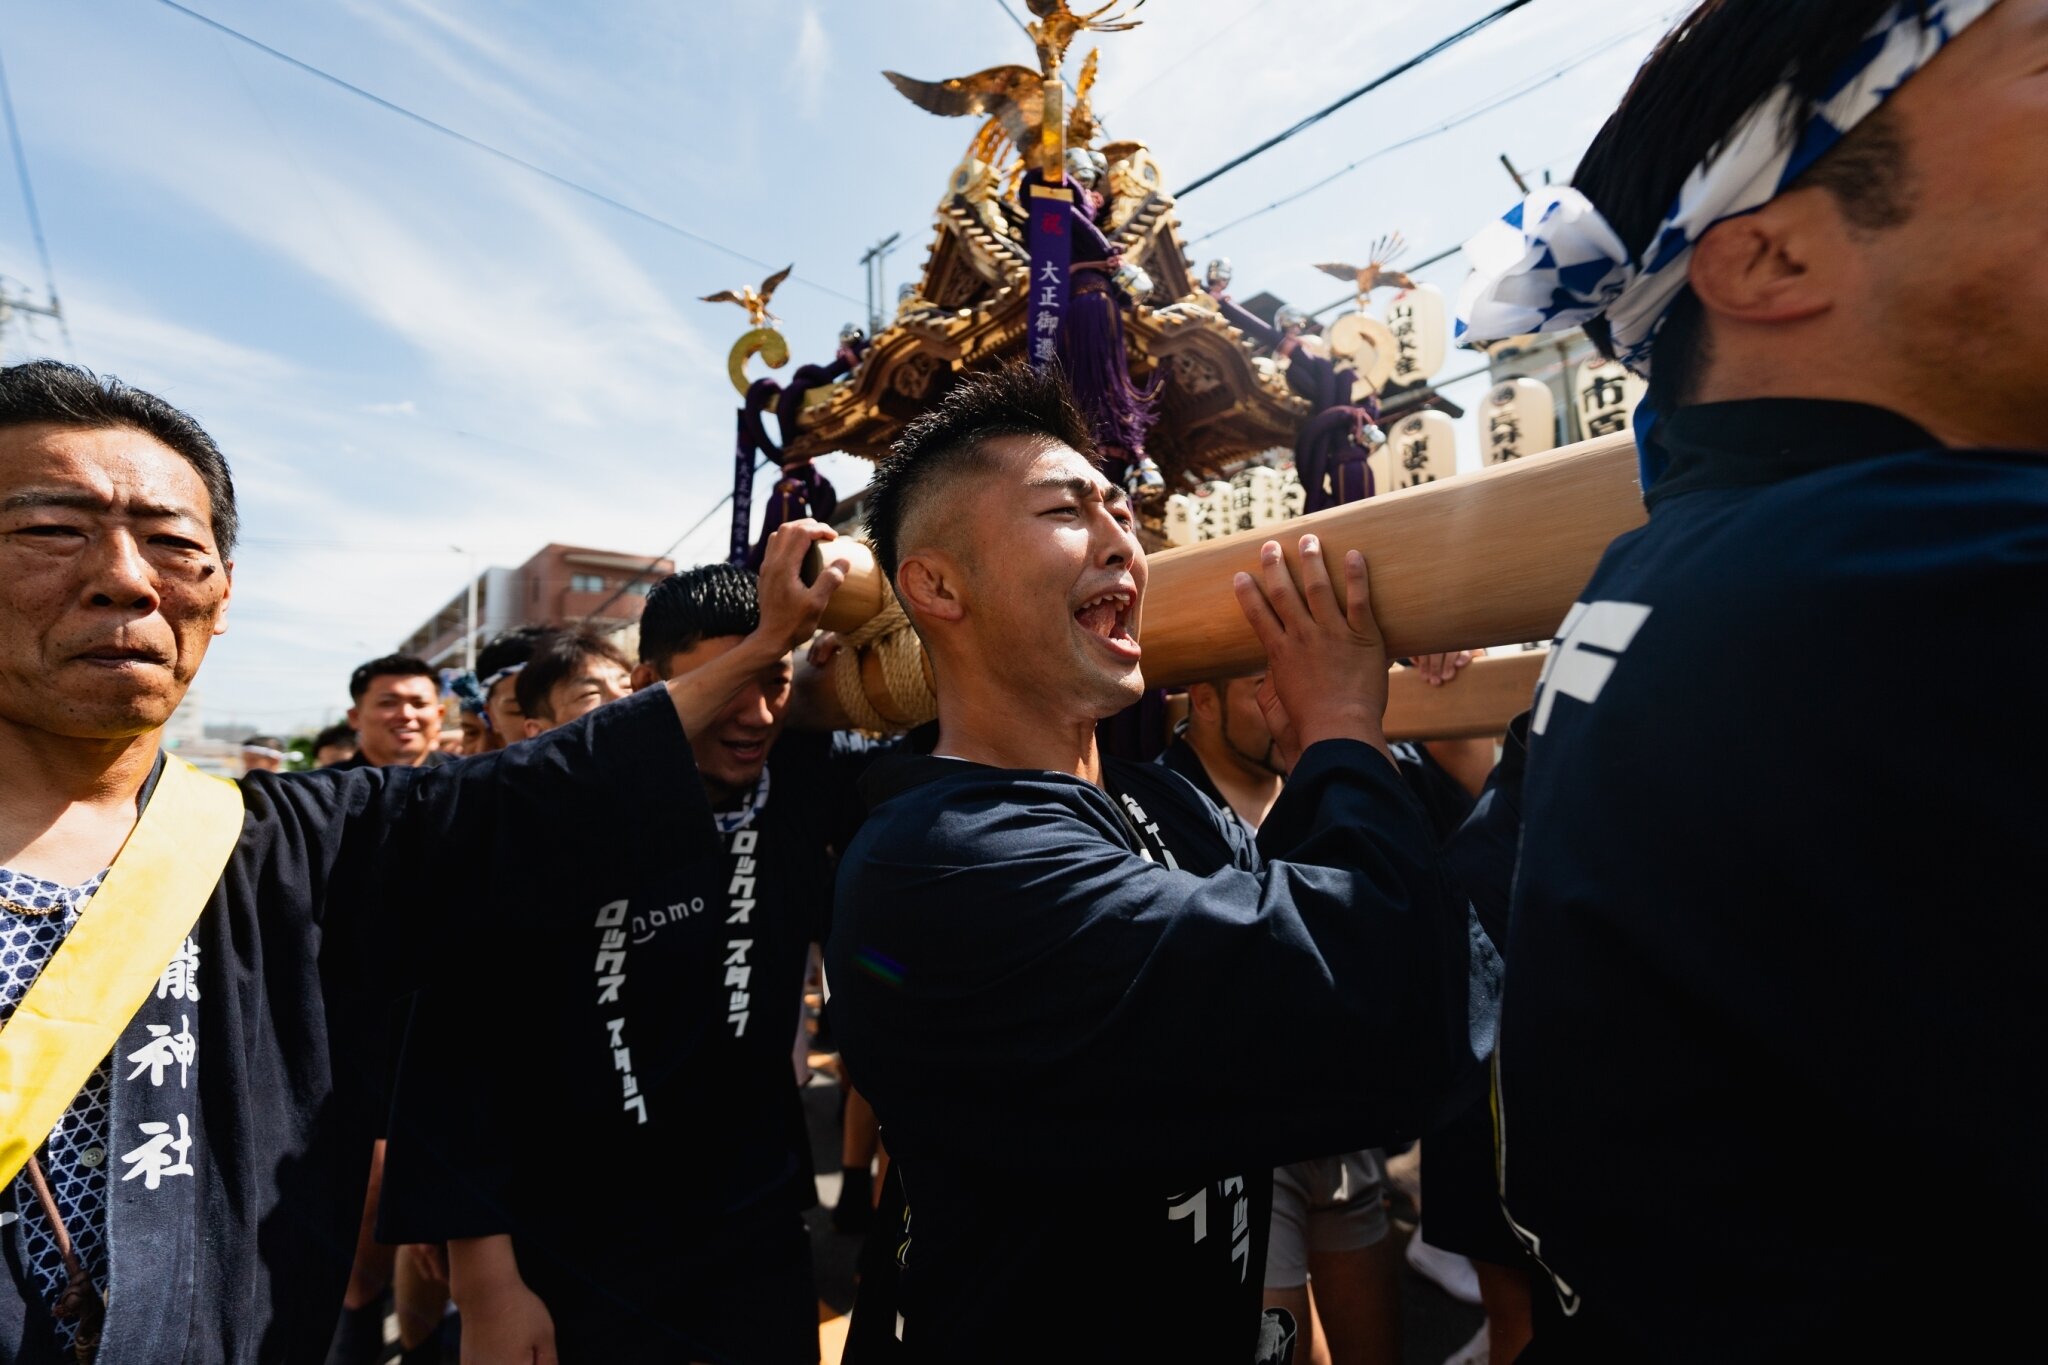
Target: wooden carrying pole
{"type": "Point", "coordinates": [1487, 558]}
{"type": "Point", "coordinates": [1481, 700]}
{"type": "Point", "coordinates": [860, 598]}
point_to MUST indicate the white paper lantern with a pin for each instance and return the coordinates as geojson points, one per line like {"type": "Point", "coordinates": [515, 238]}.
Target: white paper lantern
{"type": "Point", "coordinates": [1265, 490]}
{"type": "Point", "coordinates": [1423, 449]}
{"type": "Point", "coordinates": [1604, 396]}
{"type": "Point", "coordinates": [1422, 333]}
{"type": "Point", "coordinates": [1213, 506]}
{"type": "Point", "coordinates": [1517, 417]}
{"type": "Point", "coordinates": [1293, 493]}
{"type": "Point", "coordinates": [1181, 519]}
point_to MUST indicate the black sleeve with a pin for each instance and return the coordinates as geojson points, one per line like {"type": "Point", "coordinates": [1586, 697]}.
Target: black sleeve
{"type": "Point", "coordinates": [457, 1093]}
{"type": "Point", "coordinates": [1152, 1016]}
{"type": "Point", "coordinates": [1481, 853]}
{"type": "Point", "coordinates": [428, 855]}
{"type": "Point", "coordinates": [606, 796]}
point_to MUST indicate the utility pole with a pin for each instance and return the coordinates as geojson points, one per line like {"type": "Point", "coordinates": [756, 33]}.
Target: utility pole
{"type": "Point", "coordinates": [871, 262]}
{"type": "Point", "coordinates": [1513, 174]}
{"type": "Point", "coordinates": [12, 303]}
{"type": "Point", "coordinates": [469, 611]}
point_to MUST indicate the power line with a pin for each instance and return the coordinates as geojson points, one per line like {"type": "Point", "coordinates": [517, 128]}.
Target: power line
{"type": "Point", "coordinates": [1455, 121]}
{"type": "Point", "coordinates": [673, 546]}
{"type": "Point", "coordinates": [1065, 79]}
{"type": "Point", "coordinates": [1440, 46]}
{"type": "Point", "coordinates": [479, 145]}
{"type": "Point", "coordinates": [35, 218]}
{"type": "Point", "coordinates": [1196, 50]}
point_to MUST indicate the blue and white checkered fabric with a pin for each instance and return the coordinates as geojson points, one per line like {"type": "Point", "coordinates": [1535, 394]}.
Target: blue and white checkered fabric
{"type": "Point", "coordinates": [1553, 262]}
{"type": "Point", "coordinates": [76, 1157]}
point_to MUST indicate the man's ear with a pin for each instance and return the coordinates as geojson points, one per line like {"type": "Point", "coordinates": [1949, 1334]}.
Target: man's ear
{"type": "Point", "coordinates": [1205, 700]}
{"type": "Point", "coordinates": [353, 723]}
{"type": "Point", "coordinates": [534, 728]}
{"type": "Point", "coordinates": [930, 584]}
{"type": "Point", "coordinates": [1775, 265]}
{"type": "Point", "coordinates": [227, 591]}
{"type": "Point", "coordinates": [643, 676]}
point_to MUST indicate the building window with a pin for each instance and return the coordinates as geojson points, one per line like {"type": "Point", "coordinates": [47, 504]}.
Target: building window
{"type": "Point", "coordinates": [640, 588]}
{"type": "Point", "coordinates": [586, 582]}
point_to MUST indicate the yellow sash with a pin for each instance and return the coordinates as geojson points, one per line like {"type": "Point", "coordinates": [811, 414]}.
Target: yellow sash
{"type": "Point", "coordinates": [107, 965]}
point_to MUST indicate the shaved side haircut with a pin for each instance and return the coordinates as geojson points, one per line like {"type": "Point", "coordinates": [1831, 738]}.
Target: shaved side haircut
{"type": "Point", "coordinates": [952, 440]}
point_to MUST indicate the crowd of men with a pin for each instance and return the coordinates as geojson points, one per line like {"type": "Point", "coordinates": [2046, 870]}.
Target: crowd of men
{"type": "Point", "coordinates": [1673, 982]}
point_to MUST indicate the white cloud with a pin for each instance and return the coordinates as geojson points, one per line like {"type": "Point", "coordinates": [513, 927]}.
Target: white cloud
{"type": "Point", "coordinates": [404, 408]}
{"type": "Point", "coordinates": [810, 60]}
{"type": "Point", "coordinates": [154, 352]}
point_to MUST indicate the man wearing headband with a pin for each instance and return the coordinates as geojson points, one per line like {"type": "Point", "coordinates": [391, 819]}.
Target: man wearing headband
{"type": "Point", "coordinates": [263, 754]}
{"type": "Point", "coordinates": [498, 666]}
{"type": "Point", "coordinates": [488, 696]}
{"type": "Point", "coordinates": [1772, 928]}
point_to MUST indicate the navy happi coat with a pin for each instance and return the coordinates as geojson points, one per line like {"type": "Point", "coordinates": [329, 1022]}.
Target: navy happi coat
{"type": "Point", "coordinates": [347, 888]}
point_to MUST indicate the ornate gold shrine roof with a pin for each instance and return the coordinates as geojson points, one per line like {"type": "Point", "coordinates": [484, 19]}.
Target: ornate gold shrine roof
{"type": "Point", "coordinates": [1217, 403]}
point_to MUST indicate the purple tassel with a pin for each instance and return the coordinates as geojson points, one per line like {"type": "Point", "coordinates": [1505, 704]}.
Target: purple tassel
{"type": "Point", "coordinates": [1098, 368]}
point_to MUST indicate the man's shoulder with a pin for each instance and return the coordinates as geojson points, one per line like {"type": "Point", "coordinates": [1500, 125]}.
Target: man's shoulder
{"type": "Point", "coordinates": [925, 806]}
{"type": "Point", "coordinates": [1850, 555]}
{"type": "Point", "coordinates": [1890, 515]}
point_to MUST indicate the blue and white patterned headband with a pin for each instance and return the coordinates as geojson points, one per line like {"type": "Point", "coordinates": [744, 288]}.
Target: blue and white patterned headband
{"type": "Point", "coordinates": [469, 693]}
{"type": "Point", "coordinates": [509, 671]}
{"type": "Point", "coordinates": [1553, 262]}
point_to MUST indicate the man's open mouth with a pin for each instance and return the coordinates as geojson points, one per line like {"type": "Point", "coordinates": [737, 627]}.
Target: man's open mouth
{"type": "Point", "coordinates": [747, 750]}
{"type": "Point", "coordinates": [1106, 617]}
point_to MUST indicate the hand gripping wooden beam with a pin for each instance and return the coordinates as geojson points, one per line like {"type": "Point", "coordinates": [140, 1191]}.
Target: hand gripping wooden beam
{"type": "Point", "coordinates": [1489, 558]}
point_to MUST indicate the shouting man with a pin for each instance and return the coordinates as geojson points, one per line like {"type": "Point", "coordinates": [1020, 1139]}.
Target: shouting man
{"type": "Point", "coordinates": [1088, 1036]}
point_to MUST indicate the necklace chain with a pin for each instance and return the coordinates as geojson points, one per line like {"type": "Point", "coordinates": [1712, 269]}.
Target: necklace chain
{"type": "Point", "coordinates": [31, 911]}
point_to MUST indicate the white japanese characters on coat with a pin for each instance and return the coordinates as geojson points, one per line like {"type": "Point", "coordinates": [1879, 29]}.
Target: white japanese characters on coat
{"type": "Point", "coordinates": [610, 969]}
{"type": "Point", "coordinates": [161, 1154]}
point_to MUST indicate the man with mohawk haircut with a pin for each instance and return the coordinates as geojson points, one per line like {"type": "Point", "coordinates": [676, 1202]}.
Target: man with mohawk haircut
{"type": "Point", "coordinates": [1089, 1010]}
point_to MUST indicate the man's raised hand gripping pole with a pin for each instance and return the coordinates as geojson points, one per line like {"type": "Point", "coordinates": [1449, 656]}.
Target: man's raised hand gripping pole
{"type": "Point", "coordinates": [789, 616]}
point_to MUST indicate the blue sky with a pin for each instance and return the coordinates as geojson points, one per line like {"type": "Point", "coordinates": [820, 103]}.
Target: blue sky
{"type": "Point", "coordinates": [404, 345]}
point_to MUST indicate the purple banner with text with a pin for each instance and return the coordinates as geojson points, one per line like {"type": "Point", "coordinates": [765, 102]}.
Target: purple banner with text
{"type": "Point", "coordinates": [1052, 252]}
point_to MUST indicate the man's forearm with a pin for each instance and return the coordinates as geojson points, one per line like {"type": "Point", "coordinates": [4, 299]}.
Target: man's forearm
{"type": "Point", "coordinates": [700, 694]}
{"type": "Point", "coordinates": [481, 1266]}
